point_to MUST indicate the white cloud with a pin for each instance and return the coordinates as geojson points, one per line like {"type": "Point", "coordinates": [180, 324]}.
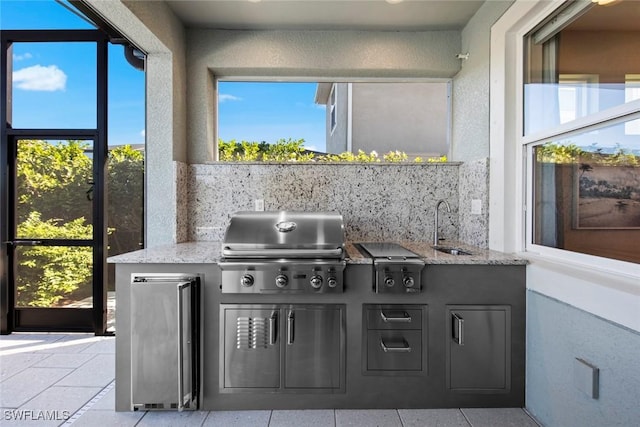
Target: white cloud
{"type": "Point", "coordinates": [142, 133]}
{"type": "Point", "coordinates": [226, 97]}
{"type": "Point", "coordinates": [26, 55]}
{"type": "Point", "coordinates": [40, 78]}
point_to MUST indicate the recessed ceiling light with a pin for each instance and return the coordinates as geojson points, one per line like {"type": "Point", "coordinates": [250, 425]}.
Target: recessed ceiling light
{"type": "Point", "coordinates": [393, 1]}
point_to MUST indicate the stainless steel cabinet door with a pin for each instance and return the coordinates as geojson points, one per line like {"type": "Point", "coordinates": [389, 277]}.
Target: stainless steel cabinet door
{"type": "Point", "coordinates": [315, 336]}
{"type": "Point", "coordinates": [251, 346]}
{"type": "Point", "coordinates": [479, 348]}
{"type": "Point", "coordinates": [164, 334]}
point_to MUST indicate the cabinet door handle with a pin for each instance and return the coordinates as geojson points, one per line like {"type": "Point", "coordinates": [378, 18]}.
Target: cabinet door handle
{"type": "Point", "coordinates": [181, 287]}
{"type": "Point", "coordinates": [458, 328]}
{"type": "Point", "coordinates": [290, 327]}
{"type": "Point", "coordinates": [273, 328]}
{"type": "Point", "coordinates": [403, 318]}
{"type": "Point", "coordinates": [405, 348]}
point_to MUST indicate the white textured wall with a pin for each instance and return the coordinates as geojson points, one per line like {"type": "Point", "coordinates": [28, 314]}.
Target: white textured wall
{"type": "Point", "coordinates": [304, 54]}
{"type": "Point", "coordinates": [153, 27]}
{"type": "Point", "coordinates": [557, 334]}
{"type": "Point", "coordinates": [470, 133]}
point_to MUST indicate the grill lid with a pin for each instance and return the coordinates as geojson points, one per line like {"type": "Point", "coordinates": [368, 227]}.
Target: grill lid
{"type": "Point", "coordinates": [288, 234]}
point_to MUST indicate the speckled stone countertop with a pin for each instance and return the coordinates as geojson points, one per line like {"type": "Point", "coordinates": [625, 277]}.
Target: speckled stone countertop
{"type": "Point", "coordinates": [210, 253]}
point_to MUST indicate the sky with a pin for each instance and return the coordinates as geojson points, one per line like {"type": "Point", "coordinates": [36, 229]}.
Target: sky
{"type": "Point", "coordinates": [268, 111]}
{"type": "Point", "coordinates": [54, 86]}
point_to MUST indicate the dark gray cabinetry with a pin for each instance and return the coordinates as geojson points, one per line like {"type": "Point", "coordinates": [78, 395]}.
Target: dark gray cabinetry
{"type": "Point", "coordinates": [478, 352]}
{"type": "Point", "coordinates": [393, 339]}
{"type": "Point", "coordinates": [165, 341]}
{"type": "Point", "coordinates": [282, 347]}
{"type": "Point", "coordinates": [477, 312]}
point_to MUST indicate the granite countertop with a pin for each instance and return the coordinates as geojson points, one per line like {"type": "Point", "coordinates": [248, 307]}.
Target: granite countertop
{"type": "Point", "coordinates": [210, 253]}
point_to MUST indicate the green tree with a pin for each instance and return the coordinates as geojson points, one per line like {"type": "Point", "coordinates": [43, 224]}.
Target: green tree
{"type": "Point", "coordinates": [54, 183]}
{"type": "Point", "coordinates": [125, 189]}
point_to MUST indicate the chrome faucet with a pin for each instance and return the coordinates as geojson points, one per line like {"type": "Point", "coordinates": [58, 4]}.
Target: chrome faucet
{"type": "Point", "coordinates": [435, 222]}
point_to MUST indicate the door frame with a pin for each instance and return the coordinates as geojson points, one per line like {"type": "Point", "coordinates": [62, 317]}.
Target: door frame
{"type": "Point", "coordinates": [52, 319]}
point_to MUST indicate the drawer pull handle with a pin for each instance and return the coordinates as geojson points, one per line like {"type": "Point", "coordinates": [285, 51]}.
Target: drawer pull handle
{"type": "Point", "coordinates": [400, 317]}
{"type": "Point", "coordinates": [403, 348]}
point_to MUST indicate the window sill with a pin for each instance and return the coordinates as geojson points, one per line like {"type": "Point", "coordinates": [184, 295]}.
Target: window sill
{"type": "Point", "coordinates": [612, 295]}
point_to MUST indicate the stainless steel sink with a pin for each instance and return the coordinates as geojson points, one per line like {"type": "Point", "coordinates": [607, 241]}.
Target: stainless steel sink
{"type": "Point", "coordinates": [451, 251]}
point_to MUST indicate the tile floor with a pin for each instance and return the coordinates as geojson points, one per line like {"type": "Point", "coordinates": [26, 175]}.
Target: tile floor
{"type": "Point", "coordinates": [68, 379]}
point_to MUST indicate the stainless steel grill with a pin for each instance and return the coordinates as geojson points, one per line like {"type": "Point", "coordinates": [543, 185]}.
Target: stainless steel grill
{"type": "Point", "coordinates": [283, 252]}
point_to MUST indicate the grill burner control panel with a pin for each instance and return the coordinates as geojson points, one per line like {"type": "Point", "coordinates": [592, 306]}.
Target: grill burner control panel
{"type": "Point", "coordinates": [282, 277]}
{"type": "Point", "coordinates": [397, 276]}
{"type": "Point", "coordinates": [396, 269]}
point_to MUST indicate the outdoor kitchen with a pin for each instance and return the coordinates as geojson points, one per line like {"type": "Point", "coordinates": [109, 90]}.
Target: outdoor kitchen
{"type": "Point", "coordinates": [360, 285]}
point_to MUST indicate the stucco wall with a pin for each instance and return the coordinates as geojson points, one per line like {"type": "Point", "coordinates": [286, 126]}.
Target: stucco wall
{"type": "Point", "coordinates": [153, 28]}
{"type": "Point", "coordinates": [410, 117]}
{"type": "Point", "coordinates": [304, 54]}
{"type": "Point", "coordinates": [470, 133]}
{"type": "Point", "coordinates": [557, 333]}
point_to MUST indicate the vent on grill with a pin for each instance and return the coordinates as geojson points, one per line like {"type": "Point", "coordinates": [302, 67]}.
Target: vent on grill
{"type": "Point", "coordinates": [252, 333]}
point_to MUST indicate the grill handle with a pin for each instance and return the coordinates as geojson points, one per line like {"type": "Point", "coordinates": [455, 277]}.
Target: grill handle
{"type": "Point", "coordinates": [282, 253]}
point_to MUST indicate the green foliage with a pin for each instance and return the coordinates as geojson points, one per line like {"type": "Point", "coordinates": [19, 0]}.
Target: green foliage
{"type": "Point", "coordinates": [347, 157]}
{"type": "Point", "coordinates": [441, 159]}
{"type": "Point", "coordinates": [125, 195]}
{"type": "Point", "coordinates": [395, 157]}
{"type": "Point", "coordinates": [291, 150]}
{"type": "Point", "coordinates": [571, 154]}
{"type": "Point", "coordinates": [288, 150]}
{"type": "Point", "coordinates": [55, 188]}
{"type": "Point", "coordinates": [53, 179]}
{"type": "Point", "coordinates": [49, 274]}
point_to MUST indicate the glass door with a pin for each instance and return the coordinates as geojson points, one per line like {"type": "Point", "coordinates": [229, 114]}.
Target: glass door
{"type": "Point", "coordinates": [53, 235]}
{"type": "Point", "coordinates": [53, 162]}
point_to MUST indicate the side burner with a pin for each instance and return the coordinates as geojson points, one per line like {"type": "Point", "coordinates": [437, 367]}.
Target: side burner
{"type": "Point", "coordinates": [396, 269]}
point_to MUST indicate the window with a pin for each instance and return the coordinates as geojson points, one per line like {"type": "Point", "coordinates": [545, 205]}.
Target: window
{"type": "Point", "coordinates": [632, 93]}
{"type": "Point", "coordinates": [582, 131]}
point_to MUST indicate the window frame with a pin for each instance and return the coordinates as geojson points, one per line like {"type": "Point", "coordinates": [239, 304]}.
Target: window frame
{"type": "Point", "coordinates": [526, 144]}
{"type": "Point", "coordinates": [333, 109]}
{"type": "Point", "coordinates": [611, 294]}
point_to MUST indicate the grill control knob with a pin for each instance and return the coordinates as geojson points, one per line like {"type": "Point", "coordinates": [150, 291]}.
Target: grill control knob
{"type": "Point", "coordinates": [316, 282]}
{"type": "Point", "coordinates": [389, 282]}
{"type": "Point", "coordinates": [332, 282]}
{"type": "Point", "coordinates": [408, 282]}
{"type": "Point", "coordinates": [281, 280]}
{"type": "Point", "coordinates": [246, 280]}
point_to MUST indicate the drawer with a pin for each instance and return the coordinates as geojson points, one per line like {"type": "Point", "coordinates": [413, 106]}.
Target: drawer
{"type": "Point", "coordinates": [394, 350]}
{"type": "Point", "coordinates": [394, 317]}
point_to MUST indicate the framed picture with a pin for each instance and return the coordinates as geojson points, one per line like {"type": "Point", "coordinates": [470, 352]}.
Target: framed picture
{"type": "Point", "coordinates": [607, 196]}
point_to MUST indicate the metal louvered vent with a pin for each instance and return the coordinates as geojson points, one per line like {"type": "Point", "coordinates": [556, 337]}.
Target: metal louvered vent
{"type": "Point", "coordinates": [252, 333]}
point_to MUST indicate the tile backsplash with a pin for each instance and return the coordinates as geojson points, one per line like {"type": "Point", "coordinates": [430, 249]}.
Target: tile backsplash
{"type": "Point", "coordinates": [378, 201]}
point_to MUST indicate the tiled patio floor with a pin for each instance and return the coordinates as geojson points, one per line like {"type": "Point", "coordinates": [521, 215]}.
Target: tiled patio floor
{"type": "Point", "coordinates": [68, 379]}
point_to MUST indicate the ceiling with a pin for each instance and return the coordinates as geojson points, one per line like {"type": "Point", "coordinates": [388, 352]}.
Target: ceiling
{"type": "Point", "coordinates": [359, 15]}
